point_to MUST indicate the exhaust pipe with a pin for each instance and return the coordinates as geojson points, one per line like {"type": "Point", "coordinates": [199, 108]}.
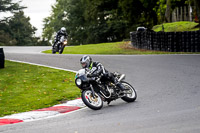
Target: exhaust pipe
{"type": "Point", "coordinates": [121, 77]}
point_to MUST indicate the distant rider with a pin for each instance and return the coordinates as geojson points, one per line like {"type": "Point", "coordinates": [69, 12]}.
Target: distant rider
{"type": "Point", "coordinates": [95, 69]}
{"type": "Point", "coordinates": [60, 33]}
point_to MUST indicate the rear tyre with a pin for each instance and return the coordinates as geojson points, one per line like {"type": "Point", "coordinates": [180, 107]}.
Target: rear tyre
{"type": "Point", "coordinates": [132, 95]}
{"type": "Point", "coordinates": [93, 103]}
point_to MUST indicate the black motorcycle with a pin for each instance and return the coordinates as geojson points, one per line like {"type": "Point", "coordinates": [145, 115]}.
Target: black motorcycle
{"type": "Point", "coordinates": [98, 89]}
{"type": "Point", "coordinates": [59, 47]}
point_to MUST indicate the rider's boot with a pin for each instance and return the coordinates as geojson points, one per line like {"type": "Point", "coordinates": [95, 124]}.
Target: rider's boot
{"type": "Point", "coordinates": [118, 84]}
{"type": "Point", "coordinates": [108, 102]}
{"type": "Point", "coordinates": [121, 86]}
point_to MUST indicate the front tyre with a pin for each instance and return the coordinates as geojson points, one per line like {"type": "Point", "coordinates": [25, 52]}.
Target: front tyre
{"type": "Point", "coordinates": [93, 103]}
{"type": "Point", "coordinates": [61, 49]}
{"type": "Point", "coordinates": [130, 95]}
{"type": "Point", "coordinates": [53, 50]}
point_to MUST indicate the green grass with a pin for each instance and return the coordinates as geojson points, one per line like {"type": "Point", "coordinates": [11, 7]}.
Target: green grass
{"type": "Point", "coordinates": [117, 48]}
{"type": "Point", "coordinates": [102, 48]}
{"type": "Point", "coordinates": [26, 87]}
{"type": "Point", "coordinates": [177, 27]}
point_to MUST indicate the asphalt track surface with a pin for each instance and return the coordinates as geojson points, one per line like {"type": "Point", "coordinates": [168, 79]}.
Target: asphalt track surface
{"type": "Point", "coordinates": [168, 88]}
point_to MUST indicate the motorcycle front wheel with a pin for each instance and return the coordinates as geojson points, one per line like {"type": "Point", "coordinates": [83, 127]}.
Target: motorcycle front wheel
{"type": "Point", "coordinates": [53, 50]}
{"type": "Point", "coordinates": [131, 93]}
{"type": "Point", "coordinates": [93, 103]}
{"type": "Point", "coordinates": [61, 49]}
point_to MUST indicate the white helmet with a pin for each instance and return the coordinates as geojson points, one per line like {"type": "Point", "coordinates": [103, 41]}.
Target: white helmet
{"type": "Point", "coordinates": [86, 61]}
{"type": "Point", "coordinates": [63, 29]}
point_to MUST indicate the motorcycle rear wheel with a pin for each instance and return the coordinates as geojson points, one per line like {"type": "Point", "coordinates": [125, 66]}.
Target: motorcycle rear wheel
{"type": "Point", "coordinates": [129, 97]}
{"type": "Point", "coordinates": [93, 103]}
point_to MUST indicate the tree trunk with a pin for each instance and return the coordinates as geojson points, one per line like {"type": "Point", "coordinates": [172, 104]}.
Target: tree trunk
{"type": "Point", "coordinates": [197, 6]}
{"type": "Point", "coordinates": [168, 11]}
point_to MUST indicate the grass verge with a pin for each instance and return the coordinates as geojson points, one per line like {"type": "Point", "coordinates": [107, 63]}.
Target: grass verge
{"type": "Point", "coordinates": [115, 48]}
{"type": "Point", "coordinates": [177, 26]}
{"type": "Point", "coordinates": [25, 87]}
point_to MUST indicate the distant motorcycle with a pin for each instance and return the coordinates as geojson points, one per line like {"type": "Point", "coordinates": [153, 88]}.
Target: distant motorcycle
{"type": "Point", "coordinates": [96, 90]}
{"type": "Point", "coordinates": [59, 47]}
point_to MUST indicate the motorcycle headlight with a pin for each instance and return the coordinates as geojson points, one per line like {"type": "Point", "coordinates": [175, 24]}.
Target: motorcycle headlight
{"type": "Point", "coordinates": [65, 42]}
{"type": "Point", "coordinates": [78, 82]}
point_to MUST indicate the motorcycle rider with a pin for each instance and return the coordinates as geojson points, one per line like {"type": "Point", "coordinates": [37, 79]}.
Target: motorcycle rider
{"type": "Point", "coordinates": [59, 34]}
{"type": "Point", "coordinates": [95, 69]}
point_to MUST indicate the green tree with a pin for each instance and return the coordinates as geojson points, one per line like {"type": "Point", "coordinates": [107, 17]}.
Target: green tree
{"type": "Point", "coordinates": [100, 17]}
{"type": "Point", "coordinates": [54, 22]}
{"type": "Point", "coordinates": [86, 21]}
{"type": "Point", "coordinates": [95, 21]}
{"type": "Point", "coordinates": [16, 30]}
{"type": "Point", "coordinates": [5, 37]}
{"type": "Point", "coordinates": [10, 6]}
{"type": "Point", "coordinates": [168, 11]}
{"type": "Point", "coordinates": [74, 21]}
{"type": "Point", "coordinates": [132, 13]}
{"type": "Point", "coordinates": [21, 29]}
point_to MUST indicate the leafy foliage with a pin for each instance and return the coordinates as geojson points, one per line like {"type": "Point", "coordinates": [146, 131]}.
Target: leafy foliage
{"type": "Point", "coordinates": [8, 5]}
{"type": "Point", "coordinates": [86, 21]}
{"type": "Point", "coordinates": [89, 21]}
{"type": "Point", "coordinates": [17, 30]}
{"type": "Point", "coordinates": [96, 21]}
{"type": "Point", "coordinates": [21, 29]}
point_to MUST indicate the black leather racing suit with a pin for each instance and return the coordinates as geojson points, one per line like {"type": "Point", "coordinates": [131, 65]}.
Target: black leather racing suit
{"type": "Point", "coordinates": [58, 37]}
{"type": "Point", "coordinates": [96, 69]}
